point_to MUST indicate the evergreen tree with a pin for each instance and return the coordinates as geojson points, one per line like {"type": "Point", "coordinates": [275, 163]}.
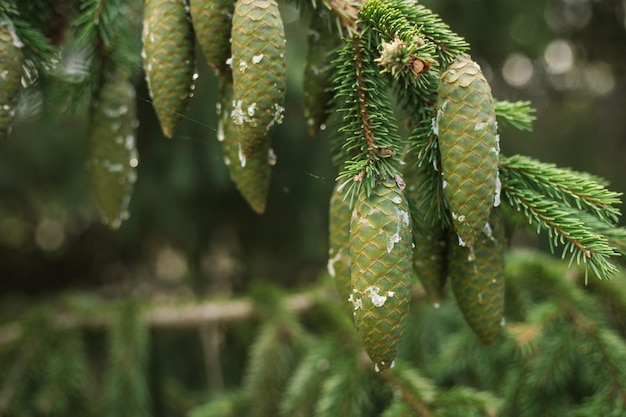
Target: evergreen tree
{"type": "Point", "coordinates": [425, 310]}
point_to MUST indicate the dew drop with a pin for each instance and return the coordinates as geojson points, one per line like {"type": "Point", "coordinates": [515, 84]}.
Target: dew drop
{"type": "Point", "coordinates": [242, 157]}
{"type": "Point", "coordinates": [220, 131]}
{"type": "Point", "coordinates": [271, 157]}
{"type": "Point", "coordinates": [498, 193]}
{"type": "Point", "coordinates": [130, 142]}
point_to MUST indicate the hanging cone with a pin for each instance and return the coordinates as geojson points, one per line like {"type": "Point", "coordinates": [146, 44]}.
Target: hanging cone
{"type": "Point", "coordinates": [168, 59]}
{"type": "Point", "coordinates": [339, 245]}
{"type": "Point", "coordinates": [468, 144]}
{"type": "Point", "coordinates": [429, 235]}
{"type": "Point", "coordinates": [380, 251]}
{"type": "Point", "coordinates": [250, 175]}
{"type": "Point", "coordinates": [317, 73]}
{"type": "Point", "coordinates": [258, 66]}
{"type": "Point", "coordinates": [112, 151]}
{"type": "Point", "coordinates": [477, 279]}
{"type": "Point", "coordinates": [259, 78]}
{"type": "Point", "coordinates": [11, 59]}
{"type": "Point", "coordinates": [212, 25]}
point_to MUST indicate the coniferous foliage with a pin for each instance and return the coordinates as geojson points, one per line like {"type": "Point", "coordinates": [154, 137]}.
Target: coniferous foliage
{"type": "Point", "coordinates": [424, 310]}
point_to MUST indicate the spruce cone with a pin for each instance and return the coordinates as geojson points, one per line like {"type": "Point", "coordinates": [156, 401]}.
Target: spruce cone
{"type": "Point", "coordinates": [477, 279]}
{"type": "Point", "coordinates": [429, 235]}
{"type": "Point", "coordinates": [212, 25]}
{"type": "Point", "coordinates": [258, 66]}
{"type": "Point", "coordinates": [317, 74]}
{"type": "Point", "coordinates": [380, 251]}
{"type": "Point", "coordinates": [339, 245]}
{"type": "Point", "coordinates": [168, 59]}
{"type": "Point", "coordinates": [258, 45]}
{"type": "Point", "coordinates": [250, 175]}
{"type": "Point", "coordinates": [468, 144]}
{"type": "Point", "coordinates": [11, 59]}
{"type": "Point", "coordinates": [112, 151]}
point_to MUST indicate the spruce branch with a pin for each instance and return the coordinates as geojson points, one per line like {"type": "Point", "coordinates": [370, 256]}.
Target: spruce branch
{"type": "Point", "coordinates": [519, 114]}
{"type": "Point", "coordinates": [565, 227]}
{"type": "Point", "coordinates": [448, 43]}
{"type": "Point", "coordinates": [417, 391]}
{"type": "Point", "coordinates": [272, 358]}
{"type": "Point", "coordinates": [125, 386]}
{"type": "Point", "coordinates": [423, 154]}
{"type": "Point", "coordinates": [227, 404]}
{"type": "Point", "coordinates": [37, 47]}
{"type": "Point", "coordinates": [16, 374]}
{"type": "Point", "coordinates": [466, 401]}
{"type": "Point", "coordinates": [410, 58]}
{"type": "Point", "coordinates": [106, 42]}
{"type": "Point", "coordinates": [371, 147]}
{"type": "Point", "coordinates": [404, 47]}
{"type": "Point", "coordinates": [347, 391]}
{"type": "Point", "coordinates": [304, 385]}
{"type": "Point", "coordinates": [551, 211]}
{"type": "Point", "coordinates": [584, 191]}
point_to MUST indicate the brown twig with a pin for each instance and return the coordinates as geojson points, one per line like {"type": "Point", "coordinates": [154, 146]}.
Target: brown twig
{"type": "Point", "coordinates": [362, 94]}
{"type": "Point", "coordinates": [346, 11]}
{"type": "Point", "coordinates": [407, 394]}
{"type": "Point", "coordinates": [176, 316]}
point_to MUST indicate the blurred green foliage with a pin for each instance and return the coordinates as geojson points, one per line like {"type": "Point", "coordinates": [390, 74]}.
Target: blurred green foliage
{"type": "Point", "coordinates": [191, 234]}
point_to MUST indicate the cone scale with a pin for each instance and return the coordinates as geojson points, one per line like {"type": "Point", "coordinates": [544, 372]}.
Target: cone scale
{"type": "Point", "coordinates": [250, 175]}
{"type": "Point", "coordinates": [477, 280]}
{"type": "Point", "coordinates": [212, 25]}
{"type": "Point", "coordinates": [429, 235]}
{"type": "Point", "coordinates": [259, 83]}
{"type": "Point", "coordinates": [112, 150]}
{"type": "Point", "coordinates": [468, 144]}
{"type": "Point", "coordinates": [168, 59]}
{"type": "Point", "coordinates": [339, 245]}
{"type": "Point", "coordinates": [380, 251]}
{"type": "Point", "coordinates": [317, 73]}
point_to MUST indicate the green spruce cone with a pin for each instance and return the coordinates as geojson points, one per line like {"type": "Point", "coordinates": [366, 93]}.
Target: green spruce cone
{"type": "Point", "coordinates": [380, 251]}
{"type": "Point", "coordinates": [429, 235]}
{"type": "Point", "coordinates": [477, 279]}
{"type": "Point", "coordinates": [112, 152]}
{"type": "Point", "coordinates": [168, 59]}
{"type": "Point", "coordinates": [339, 244]}
{"type": "Point", "coordinates": [317, 74]}
{"type": "Point", "coordinates": [212, 25]}
{"type": "Point", "coordinates": [11, 59]}
{"type": "Point", "coordinates": [468, 144]}
{"type": "Point", "coordinates": [259, 77]}
{"type": "Point", "coordinates": [250, 175]}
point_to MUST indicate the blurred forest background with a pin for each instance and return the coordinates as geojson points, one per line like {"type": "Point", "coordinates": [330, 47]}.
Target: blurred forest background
{"type": "Point", "coordinates": [191, 235]}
